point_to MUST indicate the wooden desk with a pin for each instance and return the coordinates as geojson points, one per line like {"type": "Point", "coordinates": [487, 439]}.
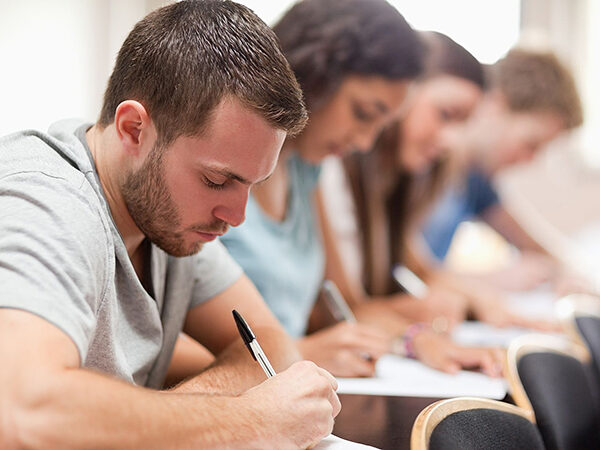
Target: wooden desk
{"type": "Point", "coordinates": [384, 422]}
{"type": "Point", "coordinates": [381, 421]}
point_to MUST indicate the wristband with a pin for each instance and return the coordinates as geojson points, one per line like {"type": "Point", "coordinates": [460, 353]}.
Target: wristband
{"type": "Point", "coordinates": [404, 345]}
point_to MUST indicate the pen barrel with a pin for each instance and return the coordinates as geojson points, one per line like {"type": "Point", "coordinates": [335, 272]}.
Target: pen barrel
{"type": "Point", "coordinates": [336, 303]}
{"type": "Point", "coordinates": [262, 359]}
{"type": "Point", "coordinates": [410, 282]}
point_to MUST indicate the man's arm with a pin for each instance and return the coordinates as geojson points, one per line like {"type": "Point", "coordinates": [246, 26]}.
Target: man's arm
{"type": "Point", "coordinates": [504, 223]}
{"type": "Point", "coordinates": [47, 400]}
{"type": "Point", "coordinates": [189, 359]}
{"type": "Point", "coordinates": [212, 324]}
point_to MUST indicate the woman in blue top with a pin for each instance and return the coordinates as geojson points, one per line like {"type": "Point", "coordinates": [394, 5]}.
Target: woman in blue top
{"type": "Point", "coordinates": [355, 60]}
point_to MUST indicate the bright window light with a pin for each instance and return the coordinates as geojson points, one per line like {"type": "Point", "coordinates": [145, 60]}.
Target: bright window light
{"type": "Point", "coordinates": [487, 29]}
{"type": "Point", "coordinates": [268, 10]}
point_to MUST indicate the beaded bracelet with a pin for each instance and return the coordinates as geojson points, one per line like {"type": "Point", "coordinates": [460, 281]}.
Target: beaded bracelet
{"type": "Point", "coordinates": [404, 345]}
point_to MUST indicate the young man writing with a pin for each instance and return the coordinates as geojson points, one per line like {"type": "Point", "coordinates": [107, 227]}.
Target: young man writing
{"type": "Point", "coordinates": [107, 252]}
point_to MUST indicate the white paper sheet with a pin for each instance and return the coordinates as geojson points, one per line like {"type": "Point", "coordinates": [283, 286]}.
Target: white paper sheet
{"type": "Point", "coordinates": [406, 377]}
{"type": "Point", "coordinates": [480, 334]}
{"type": "Point", "coordinates": [535, 304]}
{"type": "Point", "coordinates": [332, 442]}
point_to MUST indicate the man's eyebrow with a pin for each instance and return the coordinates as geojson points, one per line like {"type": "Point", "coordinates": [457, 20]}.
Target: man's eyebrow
{"type": "Point", "coordinates": [234, 176]}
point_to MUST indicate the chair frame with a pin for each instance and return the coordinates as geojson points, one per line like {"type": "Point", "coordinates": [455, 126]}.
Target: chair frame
{"type": "Point", "coordinates": [570, 307]}
{"type": "Point", "coordinates": [432, 415]}
{"type": "Point", "coordinates": [534, 343]}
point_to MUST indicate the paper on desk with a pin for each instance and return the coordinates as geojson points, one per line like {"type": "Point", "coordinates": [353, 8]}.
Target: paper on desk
{"type": "Point", "coordinates": [535, 304]}
{"type": "Point", "coordinates": [479, 334]}
{"type": "Point", "coordinates": [332, 442]}
{"type": "Point", "coordinates": [406, 377]}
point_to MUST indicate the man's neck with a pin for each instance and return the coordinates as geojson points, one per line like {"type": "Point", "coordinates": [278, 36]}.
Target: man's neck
{"type": "Point", "coordinates": [104, 147]}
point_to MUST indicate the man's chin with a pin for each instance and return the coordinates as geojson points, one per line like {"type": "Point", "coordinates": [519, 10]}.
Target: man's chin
{"type": "Point", "coordinates": [192, 249]}
{"type": "Point", "coordinates": [181, 251]}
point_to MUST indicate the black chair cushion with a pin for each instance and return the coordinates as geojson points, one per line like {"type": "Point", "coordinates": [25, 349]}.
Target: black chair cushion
{"type": "Point", "coordinates": [560, 394]}
{"type": "Point", "coordinates": [589, 327]}
{"type": "Point", "coordinates": [476, 429]}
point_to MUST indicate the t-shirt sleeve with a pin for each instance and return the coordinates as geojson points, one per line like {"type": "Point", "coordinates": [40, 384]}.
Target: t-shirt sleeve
{"type": "Point", "coordinates": [481, 192]}
{"type": "Point", "coordinates": [53, 252]}
{"type": "Point", "coordinates": [215, 270]}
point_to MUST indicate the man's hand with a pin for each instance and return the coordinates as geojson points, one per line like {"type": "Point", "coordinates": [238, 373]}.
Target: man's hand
{"type": "Point", "coordinates": [496, 313]}
{"type": "Point", "coordinates": [296, 407]}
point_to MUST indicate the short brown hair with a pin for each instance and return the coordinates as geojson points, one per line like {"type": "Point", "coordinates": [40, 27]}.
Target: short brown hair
{"type": "Point", "coordinates": [181, 60]}
{"type": "Point", "coordinates": [538, 81]}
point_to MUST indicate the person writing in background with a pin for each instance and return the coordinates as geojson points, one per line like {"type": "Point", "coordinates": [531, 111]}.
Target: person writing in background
{"type": "Point", "coordinates": [367, 212]}
{"type": "Point", "coordinates": [412, 160]}
{"type": "Point", "coordinates": [532, 99]}
{"type": "Point", "coordinates": [355, 60]}
{"type": "Point", "coordinates": [108, 251]}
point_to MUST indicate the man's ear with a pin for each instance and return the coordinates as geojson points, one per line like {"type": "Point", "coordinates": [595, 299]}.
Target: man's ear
{"type": "Point", "coordinates": [134, 127]}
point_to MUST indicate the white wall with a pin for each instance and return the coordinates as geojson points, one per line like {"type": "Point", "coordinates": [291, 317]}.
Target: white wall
{"type": "Point", "coordinates": [57, 55]}
{"type": "Point", "coordinates": [486, 28]}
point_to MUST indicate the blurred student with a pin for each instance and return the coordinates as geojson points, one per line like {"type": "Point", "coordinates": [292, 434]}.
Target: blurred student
{"type": "Point", "coordinates": [390, 191]}
{"type": "Point", "coordinates": [532, 99]}
{"type": "Point", "coordinates": [372, 203]}
{"type": "Point", "coordinates": [355, 60]}
{"type": "Point", "coordinates": [106, 252]}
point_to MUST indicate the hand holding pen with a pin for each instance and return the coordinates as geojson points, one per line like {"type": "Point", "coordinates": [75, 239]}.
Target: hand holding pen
{"type": "Point", "coordinates": [291, 403]}
{"type": "Point", "coordinates": [346, 349]}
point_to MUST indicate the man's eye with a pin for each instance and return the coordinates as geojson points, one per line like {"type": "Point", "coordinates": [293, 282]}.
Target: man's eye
{"type": "Point", "coordinates": [212, 185]}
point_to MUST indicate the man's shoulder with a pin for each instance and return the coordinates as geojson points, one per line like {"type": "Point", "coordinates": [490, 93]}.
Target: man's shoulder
{"type": "Point", "coordinates": [58, 152]}
{"type": "Point", "coordinates": [43, 184]}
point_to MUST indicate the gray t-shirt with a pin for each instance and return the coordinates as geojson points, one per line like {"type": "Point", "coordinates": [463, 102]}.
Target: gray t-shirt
{"type": "Point", "coordinates": [63, 259]}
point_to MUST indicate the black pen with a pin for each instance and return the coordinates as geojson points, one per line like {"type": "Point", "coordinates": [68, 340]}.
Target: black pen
{"type": "Point", "coordinates": [253, 346]}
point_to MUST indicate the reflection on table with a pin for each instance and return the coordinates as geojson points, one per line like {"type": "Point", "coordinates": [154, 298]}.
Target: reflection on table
{"type": "Point", "coordinates": [384, 422]}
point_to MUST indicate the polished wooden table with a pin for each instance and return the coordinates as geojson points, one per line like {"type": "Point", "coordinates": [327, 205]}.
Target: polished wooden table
{"type": "Point", "coordinates": [384, 422]}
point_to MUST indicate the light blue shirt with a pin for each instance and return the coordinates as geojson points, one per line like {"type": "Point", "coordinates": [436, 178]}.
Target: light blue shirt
{"type": "Point", "coordinates": [285, 260]}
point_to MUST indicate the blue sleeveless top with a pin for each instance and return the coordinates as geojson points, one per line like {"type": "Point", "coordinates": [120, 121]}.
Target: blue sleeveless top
{"type": "Point", "coordinates": [285, 260]}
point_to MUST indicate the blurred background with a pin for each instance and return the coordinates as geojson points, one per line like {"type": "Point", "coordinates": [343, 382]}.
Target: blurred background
{"type": "Point", "coordinates": [57, 56]}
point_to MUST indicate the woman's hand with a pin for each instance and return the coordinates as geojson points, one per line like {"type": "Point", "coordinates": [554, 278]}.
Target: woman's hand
{"type": "Point", "coordinates": [438, 351]}
{"type": "Point", "coordinates": [441, 308]}
{"type": "Point", "coordinates": [346, 349]}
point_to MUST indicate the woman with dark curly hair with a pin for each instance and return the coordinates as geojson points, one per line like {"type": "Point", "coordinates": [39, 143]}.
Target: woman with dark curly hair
{"type": "Point", "coordinates": [355, 60]}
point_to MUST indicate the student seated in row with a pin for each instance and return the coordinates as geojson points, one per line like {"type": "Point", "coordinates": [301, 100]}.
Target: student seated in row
{"type": "Point", "coordinates": [108, 250]}
{"type": "Point", "coordinates": [355, 61]}
{"type": "Point", "coordinates": [532, 100]}
{"type": "Point", "coordinates": [411, 160]}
